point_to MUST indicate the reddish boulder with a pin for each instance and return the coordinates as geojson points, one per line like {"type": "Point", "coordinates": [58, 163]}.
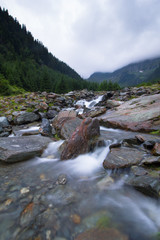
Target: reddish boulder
{"type": "Point", "coordinates": [82, 140]}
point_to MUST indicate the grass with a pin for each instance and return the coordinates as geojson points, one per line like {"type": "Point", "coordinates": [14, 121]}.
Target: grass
{"type": "Point", "coordinates": [155, 132]}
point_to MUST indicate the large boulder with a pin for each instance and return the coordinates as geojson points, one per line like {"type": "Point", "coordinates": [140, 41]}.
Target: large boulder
{"type": "Point", "coordinates": [145, 180]}
{"type": "Point", "coordinates": [140, 114]}
{"type": "Point", "coordinates": [65, 123]}
{"type": "Point", "coordinates": [26, 117]}
{"type": "Point", "coordinates": [82, 140]}
{"type": "Point", "coordinates": [17, 149]}
{"type": "Point", "coordinates": [123, 157]}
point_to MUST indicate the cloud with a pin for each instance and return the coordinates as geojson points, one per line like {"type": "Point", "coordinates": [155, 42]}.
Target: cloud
{"type": "Point", "coordinates": [97, 35]}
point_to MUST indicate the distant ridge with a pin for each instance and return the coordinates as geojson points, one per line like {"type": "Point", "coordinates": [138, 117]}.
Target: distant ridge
{"type": "Point", "coordinates": [131, 74]}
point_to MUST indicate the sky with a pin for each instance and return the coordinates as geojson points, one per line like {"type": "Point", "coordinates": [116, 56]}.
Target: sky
{"type": "Point", "coordinates": [92, 35]}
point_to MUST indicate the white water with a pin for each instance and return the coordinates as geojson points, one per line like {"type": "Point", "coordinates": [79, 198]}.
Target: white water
{"type": "Point", "coordinates": [135, 211]}
{"type": "Point", "coordinates": [89, 104]}
{"type": "Point", "coordinates": [29, 129]}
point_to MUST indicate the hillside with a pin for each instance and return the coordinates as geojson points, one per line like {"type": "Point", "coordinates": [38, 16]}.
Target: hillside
{"type": "Point", "coordinates": [131, 74]}
{"type": "Point", "coordinates": [26, 62]}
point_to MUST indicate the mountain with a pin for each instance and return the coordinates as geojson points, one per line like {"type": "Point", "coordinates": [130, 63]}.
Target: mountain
{"type": "Point", "coordinates": [26, 62]}
{"type": "Point", "coordinates": [132, 74]}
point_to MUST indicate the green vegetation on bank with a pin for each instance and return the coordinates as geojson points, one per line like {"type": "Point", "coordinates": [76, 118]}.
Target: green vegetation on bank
{"type": "Point", "coordinates": [26, 64]}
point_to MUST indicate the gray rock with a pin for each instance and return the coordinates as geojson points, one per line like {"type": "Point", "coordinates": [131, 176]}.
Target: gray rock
{"type": "Point", "coordinates": [69, 127]}
{"type": "Point", "coordinates": [22, 148]}
{"type": "Point", "coordinates": [51, 114]}
{"type": "Point", "coordinates": [45, 129]}
{"type": "Point", "coordinates": [26, 117]}
{"type": "Point", "coordinates": [4, 122]}
{"type": "Point", "coordinates": [123, 157]}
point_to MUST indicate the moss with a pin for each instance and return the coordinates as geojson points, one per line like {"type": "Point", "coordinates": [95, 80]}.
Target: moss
{"type": "Point", "coordinates": [155, 132]}
{"type": "Point", "coordinates": [103, 222]}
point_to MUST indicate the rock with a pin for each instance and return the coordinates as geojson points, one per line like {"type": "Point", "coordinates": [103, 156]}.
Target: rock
{"type": "Point", "coordinates": [123, 157]}
{"type": "Point", "coordinates": [26, 117]}
{"type": "Point", "coordinates": [113, 103]}
{"type": "Point", "coordinates": [140, 138]}
{"type": "Point", "coordinates": [51, 114]}
{"type": "Point", "coordinates": [17, 149]}
{"type": "Point", "coordinates": [76, 219]}
{"type": "Point", "coordinates": [149, 144]}
{"type": "Point", "coordinates": [105, 183]}
{"type": "Point", "coordinates": [62, 179]}
{"type": "Point", "coordinates": [3, 122]}
{"type": "Point", "coordinates": [62, 117]}
{"type": "Point", "coordinates": [45, 128]}
{"type": "Point", "coordinates": [96, 112]}
{"type": "Point", "coordinates": [82, 140]}
{"type": "Point", "coordinates": [69, 127]}
{"type": "Point", "coordinates": [149, 160]}
{"type": "Point", "coordinates": [148, 184]}
{"type": "Point", "coordinates": [101, 234]}
{"type": "Point", "coordinates": [140, 114]}
{"type": "Point", "coordinates": [115, 145]}
{"type": "Point", "coordinates": [156, 149]}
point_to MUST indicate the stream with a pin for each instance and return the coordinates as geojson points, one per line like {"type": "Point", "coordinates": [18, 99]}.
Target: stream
{"type": "Point", "coordinates": [45, 198]}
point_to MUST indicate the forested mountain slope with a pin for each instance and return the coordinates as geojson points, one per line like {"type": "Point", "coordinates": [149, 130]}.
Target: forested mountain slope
{"type": "Point", "coordinates": [26, 63]}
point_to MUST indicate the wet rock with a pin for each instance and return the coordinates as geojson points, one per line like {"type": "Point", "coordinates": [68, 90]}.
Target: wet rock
{"type": "Point", "coordinates": [123, 157]}
{"type": "Point", "coordinates": [96, 112]}
{"type": "Point", "coordinates": [138, 171]}
{"type": "Point", "coordinates": [51, 114]}
{"type": "Point", "coordinates": [69, 127]}
{"type": "Point", "coordinates": [113, 103]}
{"type": "Point", "coordinates": [60, 195]}
{"type": "Point", "coordinates": [49, 220]}
{"type": "Point", "coordinates": [149, 160]}
{"type": "Point", "coordinates": [81, 140]}
{"type": "Point", "coordinates": [105, 183]}
{"type": "Point", "coordinates": [45, 128]}
{"type": "Point", "coordinates": [148, 144]}
{"type": "Point", "coordinates": [148, 184]}
{"type": "Point", "coordinates": [156, 149]}
{"type": "Point", "coordinates": [22, 148]}
{"type": "Point", "coordinates": [62, 179]}
{"type": "Point", "coordinates": [28, 214]}
{"type": "Point", "coordinates": [63, 117]}
{"type": "Point", "coordinates": [26, 117]}
{"type": "Point", "coordinates": [102, 234]}
{"type": "Point", "coordinates": [131, 141]}
{"type": "Point", "coordinates": [76, 219]}
{"type": "Point", "coordinates": [140, 138]}
{"type": "Point", "coordinates": [140, 114]}
{"type": "Point", "coordinates": [3, 122]}
{"type": "Point", "coordinates": [115, 145]}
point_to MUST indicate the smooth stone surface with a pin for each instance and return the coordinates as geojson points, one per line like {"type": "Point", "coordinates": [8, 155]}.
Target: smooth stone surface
{"type": "Point", "coordinates": [17, 149]}
{"type": "Point", "coordinates": [123, 157]}
{"type": "Point", "coordinates": [26, 117]}
{"type": "Point", "coordinates": [140, 114]}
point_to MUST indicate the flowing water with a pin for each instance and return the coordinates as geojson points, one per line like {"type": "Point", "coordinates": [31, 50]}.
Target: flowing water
{"type": "Point", "coordinates": [45, 198]}
{"type": "Point", "coordinates": [34, 184]}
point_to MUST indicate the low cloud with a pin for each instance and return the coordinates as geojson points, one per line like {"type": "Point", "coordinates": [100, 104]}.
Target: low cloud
{"type": "Point", "coordinates": [97, 35]}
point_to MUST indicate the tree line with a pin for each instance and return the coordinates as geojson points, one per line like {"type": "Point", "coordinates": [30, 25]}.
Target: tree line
{"type": "Point", "coordinates": [25, 63]}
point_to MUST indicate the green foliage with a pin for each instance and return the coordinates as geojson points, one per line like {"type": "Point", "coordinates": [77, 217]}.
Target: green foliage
{"type": "Point", "coordinates": [6, 89]}
{"type": "Point", "coordinates": [155, 132]}
{"type": "Point", "coordinates": [108, 86]}
{"type": "Point", "coordinates": [27, 64]}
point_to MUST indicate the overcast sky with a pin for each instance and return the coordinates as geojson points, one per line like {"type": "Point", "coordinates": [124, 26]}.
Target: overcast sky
{"type": "Point", "coordinates": [92, 35]}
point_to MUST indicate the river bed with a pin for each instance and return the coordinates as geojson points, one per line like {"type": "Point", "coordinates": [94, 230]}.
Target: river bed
{"type": "Point", "coordinates": [45, 198]}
